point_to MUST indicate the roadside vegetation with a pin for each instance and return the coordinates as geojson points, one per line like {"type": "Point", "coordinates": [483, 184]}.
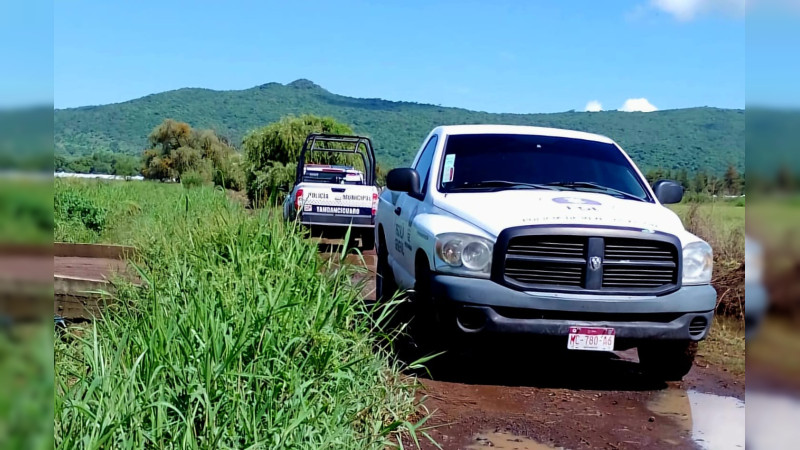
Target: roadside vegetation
{"type": "Point", "coordinates": [242, 335]}
{"type": "Point", "coordinates": [721, 224]}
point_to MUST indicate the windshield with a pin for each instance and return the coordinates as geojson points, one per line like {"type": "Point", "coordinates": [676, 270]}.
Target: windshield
{"type": "Point", "coordinates": [475, 160]}
{"type": "Point", "coordinates": [332, 178]}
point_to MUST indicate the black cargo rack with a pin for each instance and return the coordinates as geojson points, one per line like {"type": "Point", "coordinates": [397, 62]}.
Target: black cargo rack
{"type": "Point", "coordinates": [367, 154]}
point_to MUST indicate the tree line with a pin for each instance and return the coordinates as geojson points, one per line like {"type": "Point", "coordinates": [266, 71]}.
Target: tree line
{"type": "Point", "coordinates": [99, 162]}
{"type": "Point", "coordinates": [266, 164]}
{"type": "Point", "coordinates": [702, 182]}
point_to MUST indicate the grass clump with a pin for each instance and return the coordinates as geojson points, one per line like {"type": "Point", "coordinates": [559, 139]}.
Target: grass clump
{"type": "Point", "coordinates": [243, 338]}
{"type": "Point", "coordinates": [722, 226]}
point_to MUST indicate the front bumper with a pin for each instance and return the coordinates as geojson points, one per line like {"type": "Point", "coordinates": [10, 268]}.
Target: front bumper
{"type": "Point", "coordinates": [483, 306]}
{"type": "Point", "coordinates": [756, 302]}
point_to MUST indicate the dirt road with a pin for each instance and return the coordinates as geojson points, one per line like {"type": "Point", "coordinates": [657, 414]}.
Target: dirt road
{"type": "Point", "coordinates": [516, 395]}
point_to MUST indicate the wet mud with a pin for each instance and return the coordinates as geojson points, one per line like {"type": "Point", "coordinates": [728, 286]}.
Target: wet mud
{"type": "Point", "coordinates": [578, 401]}
{"type": "Point", "coordinates": [524, 394]}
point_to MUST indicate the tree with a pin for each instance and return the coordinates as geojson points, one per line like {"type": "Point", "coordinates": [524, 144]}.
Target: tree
{"type": "Point", "coordinates": [59, 163]}
{"type": "Point", "coordinates": [282, 141]}
{"type": "Point", "coordinates": [732, 181]}
{"type": "Point", "coordinates": [272, 153]}
{"type": "Point", "coordinates": [176, 148]}
{"type": "Point", "coordinates": [125, 166]}
{"type": "Point", "coordinates": [785, 179]}
{"type": "Point", "coordinates": [700, 182]}
{"type": "Point", "coordinates": [682, 177]}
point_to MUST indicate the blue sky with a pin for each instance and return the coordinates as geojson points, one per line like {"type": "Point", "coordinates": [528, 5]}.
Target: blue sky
{"type": "Point", "coordinates": [26, 45]}
{"type": "Point", "coordinates": [499, 56]}
{"type": "Point", "coordinates": [773, 68]}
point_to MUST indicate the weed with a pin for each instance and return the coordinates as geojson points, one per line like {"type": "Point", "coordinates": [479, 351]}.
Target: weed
{"type": "Point", "coordinates": [243, 338]}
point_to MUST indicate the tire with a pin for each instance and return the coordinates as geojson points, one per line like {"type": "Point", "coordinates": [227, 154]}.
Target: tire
{"type": "Point", "coordinates": [367, 240]}
{"type": "Point", "coordinates": [385, 285]}
{"type": "Point", "coordinates": [427, 329]}
{"type": "Point", "coordinates": [667, 360]}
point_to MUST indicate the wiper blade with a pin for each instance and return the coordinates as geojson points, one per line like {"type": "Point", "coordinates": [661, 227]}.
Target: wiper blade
{"type": "Point", "coordinates": [592, 185]}
{"type": "Point", "coordinates": [503, 184]}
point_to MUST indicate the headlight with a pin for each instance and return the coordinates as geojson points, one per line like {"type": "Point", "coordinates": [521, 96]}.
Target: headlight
{"type": "Point", "coordinates": [698, 262]}
{"type": "Point", "coordinates": [464, 254]}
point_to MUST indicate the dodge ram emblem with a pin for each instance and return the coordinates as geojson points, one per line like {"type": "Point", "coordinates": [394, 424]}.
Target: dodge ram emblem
{"type": "Point", "coordinates": [595, 262]}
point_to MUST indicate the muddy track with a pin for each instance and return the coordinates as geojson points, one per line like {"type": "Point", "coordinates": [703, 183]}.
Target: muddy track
{"type": "Point", "coordinates": [517, 399]}
{"type": "Point", "coordinates": [514, 395]}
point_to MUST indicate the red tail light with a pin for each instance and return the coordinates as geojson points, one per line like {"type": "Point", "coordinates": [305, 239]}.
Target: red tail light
{"type": "Point", "coordinates": [297, 197]}
{"type": "Point", "coordinates": [374, 203]}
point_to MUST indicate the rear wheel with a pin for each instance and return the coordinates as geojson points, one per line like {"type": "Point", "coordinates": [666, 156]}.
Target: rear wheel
{"type": "Point", "coordinates": [368, 240]}
{"type": "Point", "coordinates": [667, 360]}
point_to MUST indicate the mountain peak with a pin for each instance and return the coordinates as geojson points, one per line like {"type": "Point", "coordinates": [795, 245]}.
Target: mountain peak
{"type": "Point", "coordinates": [303, 83]}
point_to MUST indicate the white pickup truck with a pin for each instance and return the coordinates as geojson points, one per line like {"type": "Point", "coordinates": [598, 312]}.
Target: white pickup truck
{"type": "Point", "coordinates": [528, 231]}
{"type": "Point", "coordinates": [330, 198]}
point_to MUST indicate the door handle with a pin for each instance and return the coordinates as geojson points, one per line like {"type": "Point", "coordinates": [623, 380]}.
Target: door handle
{"type": "Point", "coordinates": [397, 210]}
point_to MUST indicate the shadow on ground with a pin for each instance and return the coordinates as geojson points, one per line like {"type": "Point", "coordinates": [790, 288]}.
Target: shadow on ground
{"type": "Point", "coordinates": [534, 363]}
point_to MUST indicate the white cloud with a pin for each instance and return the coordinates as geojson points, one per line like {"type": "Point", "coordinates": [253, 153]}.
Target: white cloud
{"type": "Point", "coordinates": [638, 104]}
{"type": "Point", "coordinates": [685, 10]}
{"type": "Point", "coordinates": [594, 106]}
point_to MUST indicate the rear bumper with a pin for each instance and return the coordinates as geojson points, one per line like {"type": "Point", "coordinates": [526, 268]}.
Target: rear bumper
{"type": "Point", "coordinates": [479, 306]}
{"type": "Point", "coordinates": [330, 220]}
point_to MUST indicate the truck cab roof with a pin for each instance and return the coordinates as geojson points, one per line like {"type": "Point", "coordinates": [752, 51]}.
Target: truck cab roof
{"type": "Point", "coordinates": [520, 129]}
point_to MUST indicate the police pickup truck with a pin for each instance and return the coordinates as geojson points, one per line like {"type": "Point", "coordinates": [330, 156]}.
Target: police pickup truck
{"type": "Point", "coordinates": [330, 198]}
{"type": "Point", "coordinates": [550, 233]}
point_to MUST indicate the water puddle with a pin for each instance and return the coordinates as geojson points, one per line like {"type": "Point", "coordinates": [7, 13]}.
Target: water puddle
{"type": "Point", "coordinates": [507, 441]}
{"type": "Point", "coordinates": [772, 420]}
{"type": "Point", "coordinates": [712, 421]}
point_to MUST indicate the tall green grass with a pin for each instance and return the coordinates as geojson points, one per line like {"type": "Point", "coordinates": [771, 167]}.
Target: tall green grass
{"type": "Point", "coordinates": [243, 337]}
{"type": "Point", "coordinates": [721, 224]}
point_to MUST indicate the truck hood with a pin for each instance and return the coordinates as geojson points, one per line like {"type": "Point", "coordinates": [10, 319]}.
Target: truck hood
{"type": "Point", "coordinates": [495, 211]}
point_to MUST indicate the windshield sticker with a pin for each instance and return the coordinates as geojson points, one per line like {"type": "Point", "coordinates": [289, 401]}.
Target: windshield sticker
{"type": "Point", "coordinates": [575, 201]}
{"type": "Point", "coordinates": [449, 168]}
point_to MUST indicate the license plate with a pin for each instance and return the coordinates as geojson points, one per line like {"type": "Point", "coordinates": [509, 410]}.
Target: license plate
{"type": "Point", "coordinates": [342, 210]}
{"type": "Point", "coordinates": [591, 338]}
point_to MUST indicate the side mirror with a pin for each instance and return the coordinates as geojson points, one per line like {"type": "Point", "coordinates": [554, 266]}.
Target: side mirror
{"type": "Point", "coordinates": [404, 179]}
{"type": "Point", "coordinates": [668, 191]}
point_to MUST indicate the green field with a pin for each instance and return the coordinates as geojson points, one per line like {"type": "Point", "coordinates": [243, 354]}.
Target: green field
{"type": "Point", "coordinates": [243, 337]}
{"type": "Point", "coordinates": [721, 224]}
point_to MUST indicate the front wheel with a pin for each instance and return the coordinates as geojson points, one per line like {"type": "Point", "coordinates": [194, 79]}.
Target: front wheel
{"type": "Point", "coordinates": [385, 286]}
{"type": "Point", "coordinates": [668, 360]}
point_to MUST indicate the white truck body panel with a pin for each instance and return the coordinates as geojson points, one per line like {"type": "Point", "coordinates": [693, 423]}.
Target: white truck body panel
{"type": "Point", "coordinates": [484, 213]}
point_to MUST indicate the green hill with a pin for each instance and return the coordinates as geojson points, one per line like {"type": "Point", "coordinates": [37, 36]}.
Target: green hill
{"type": "Point", "coordinates": [694, 139]}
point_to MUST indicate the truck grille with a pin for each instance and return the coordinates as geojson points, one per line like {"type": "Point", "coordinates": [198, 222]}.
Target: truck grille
{"type": "Point", "coordinates": [564, 264]}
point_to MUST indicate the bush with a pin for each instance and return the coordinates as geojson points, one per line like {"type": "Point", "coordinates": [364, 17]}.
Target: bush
{"type": "Point", "coordinates": [230, 174]}
{"type": "Point", "coordinates": [727, 240]}
{"type": "Point", "coordinates": [272, 153]}
{"type": "Point", "coordinates": [194, 178]}
{"type": "Point", "coordinates": [270, 186]}
{"type": "Point", "coordinates": [71, 206]}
